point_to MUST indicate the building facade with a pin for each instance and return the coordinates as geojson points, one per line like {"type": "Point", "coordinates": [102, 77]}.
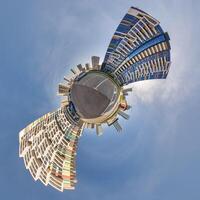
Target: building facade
{"type": "Point", "coordinates": [48, 147]}
{"type": "Point", "coordinates": [139, 49]}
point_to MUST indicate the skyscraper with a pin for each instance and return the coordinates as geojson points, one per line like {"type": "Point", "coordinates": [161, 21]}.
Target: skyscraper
{"type": "Point", "coordinates": [48, 146]}
{"type": "Point", "coordinates": [139, 49]}
{"type": "Point", "coordinates": [94, 95]}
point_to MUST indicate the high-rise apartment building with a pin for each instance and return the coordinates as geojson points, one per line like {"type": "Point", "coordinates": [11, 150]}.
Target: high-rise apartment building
{"type": "Point", "coordinates": [139, 49]}
{"type": "Point", "coordinates": [48, 147]}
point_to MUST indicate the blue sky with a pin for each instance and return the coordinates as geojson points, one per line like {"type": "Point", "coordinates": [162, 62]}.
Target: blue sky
{"type": "Point", "coordinates": [157, 155]}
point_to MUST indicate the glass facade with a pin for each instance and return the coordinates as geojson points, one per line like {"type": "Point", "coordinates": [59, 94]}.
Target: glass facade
{"type": "Point", "coordinates": [137, 37]}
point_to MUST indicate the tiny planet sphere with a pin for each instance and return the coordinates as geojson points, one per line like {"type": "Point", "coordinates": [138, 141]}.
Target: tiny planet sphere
{"type": "Point", "coordinates": [94, 94]}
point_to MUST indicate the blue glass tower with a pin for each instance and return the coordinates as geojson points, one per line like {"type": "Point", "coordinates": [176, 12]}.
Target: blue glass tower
{"type": "Point", "coordinates": [139, 49]}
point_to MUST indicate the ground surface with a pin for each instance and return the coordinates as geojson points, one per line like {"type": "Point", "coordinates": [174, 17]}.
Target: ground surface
{"type": "Point", "coordinates": [93, 94]}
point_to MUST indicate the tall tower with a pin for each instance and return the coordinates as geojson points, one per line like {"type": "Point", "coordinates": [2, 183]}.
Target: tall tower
{"type": "Point", "coordinates": [139, 49]}
{"type": "Point", "coordinates": [94, 95]}
{"type": "Point", "coordinates": [48, 146]}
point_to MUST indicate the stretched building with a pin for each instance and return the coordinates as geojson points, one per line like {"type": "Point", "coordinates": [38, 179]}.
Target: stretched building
{"type": "Point", "coordinates": [94, 95]}
{"type": "Point", "coordinates": [139, 49]}
{"type": "Point", "coordinates": [48, 147]}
